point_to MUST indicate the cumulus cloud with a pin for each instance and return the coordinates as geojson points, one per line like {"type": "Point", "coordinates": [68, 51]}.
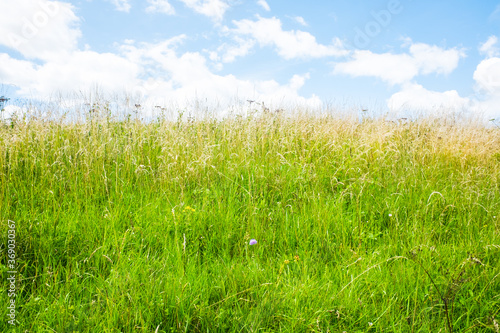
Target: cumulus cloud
{"type": "Point", "coordinates": [264, 5]}
{"type": "Point", "coordinates": [391, 68]}
{"type": "Point", "coordinates": [47, 31]}
{"type": "Point", "coordinates": [121, 5]}
{"type": "Point", "coordinates": [227, 53]}
{"type": "Point", "coordinates": [487, 76]}
{"type": "Point", "coordinates": [487, 108]}
{"type": "Point", "coordinates": [297, 81]}
{"type": "Point", "coordinates": [289, 44]}
{"type": "Point", "coordinates": [215, 9]}
{"type": "Point", "coordinates": [155, 71]}
{"type": "Point", "coordinates": [414, 97]}
{"type": "Point", "coordinates": [160, 6]}
{"type": "Point", "coordinates": [424, 59]}
{"type": "Point", "coordinates": [401, 68]}
{"type": "Point", "coordinates": [17, 72]}
{"type": "Point", "coordinates": [180, 77]}
{"type": "Point", "coordinates": [433, 59]}
{"type": "Point", "coordinates": [79, 70]}
{"type": "Point", "coordinates": [39, 29]}
{"type": "Point", "coordinates": [490, 48]}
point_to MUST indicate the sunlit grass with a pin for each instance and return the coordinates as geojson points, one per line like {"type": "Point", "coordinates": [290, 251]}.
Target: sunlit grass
{"type": "Point", "coordinates": [373, 226]}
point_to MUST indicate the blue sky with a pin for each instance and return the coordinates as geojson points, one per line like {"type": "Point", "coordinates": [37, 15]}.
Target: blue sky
{"type": "Point", "coordinates": [396, 55]}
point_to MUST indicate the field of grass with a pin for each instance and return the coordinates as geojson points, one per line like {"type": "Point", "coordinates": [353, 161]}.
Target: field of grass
{"type": "Point", "coordinates": [373, 226]}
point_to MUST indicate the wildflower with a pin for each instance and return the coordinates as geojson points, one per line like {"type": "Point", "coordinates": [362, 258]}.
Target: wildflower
{"type": "Point", "coordinates": [390, 215]}
{"type": "Point", "coordinates": [287, 262]}
{"type": "Point", "coordinates": [370, 324]}
{"type": "Point", "coordinates": [189, 208]}
{"type": "Point", "coordinates": [296, 258]}
{"type": "Point", "coordinates": [253, 241]}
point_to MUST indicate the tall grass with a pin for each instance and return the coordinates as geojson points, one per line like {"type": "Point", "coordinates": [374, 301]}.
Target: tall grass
{"type": "Point", "coordinates": [127, 226]}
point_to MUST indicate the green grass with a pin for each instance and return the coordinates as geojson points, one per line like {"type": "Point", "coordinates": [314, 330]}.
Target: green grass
{"type": "Point", "coordinates": [123, 226]}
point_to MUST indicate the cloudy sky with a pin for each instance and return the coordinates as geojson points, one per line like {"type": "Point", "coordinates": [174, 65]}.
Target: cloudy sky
{"type": "Point", "coordinates": [377, 54]}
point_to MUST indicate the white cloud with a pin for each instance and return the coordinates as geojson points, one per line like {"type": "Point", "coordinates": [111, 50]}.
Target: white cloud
{"type": "Point", "coordinates": [17, 72]}
{"type": "Point", "coordinates": [401, 68]}
{"type": "Point", "coordinates": [489, 48]}
{"type": "Point", "coordinates": [155, 71]}
{"type": "Point", "coordinates": [160, 6]}
{"type": "Point", "coordinates": [264, 5]}
{"type": "Point", "coordinates": [300, 20]}
{"type": "Point", "coordinates": [227, 53]}
{"type": "Point", "coordinates": [215, 9]}
{"type": "Point", "coordinates": [180, 77]}
{"type": "Point", "coordinates": [425, 59]}
{"type": "Point", "coordinates": [487, 76]}
{"type": "Point", "coordinates": [488, 108]}
{"type": "Point", "coordinates": [433, 59]}
{"type": "Point", "coordinates": [388, 67]}
{"type": "Point", "coordinates": [83, 69]}
{"type": "Point", "coordinates": [121, 5]}
{"type": "Point", "coordinates": [414, 97]}
{"type": "Point", "coordinates": [298, 81]}
{"type": "Point", "coordinates": [38, 29]}
{"type": "Point", "coordinates": [79, 70]}
{"type": "Point", "coordinates": [241, 50]}
{"type": "Point", "coordinates": [289, 44]}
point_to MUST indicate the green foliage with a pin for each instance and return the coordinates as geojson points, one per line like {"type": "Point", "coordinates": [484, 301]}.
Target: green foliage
{"type": "Point", "coordinates": [125, 226]}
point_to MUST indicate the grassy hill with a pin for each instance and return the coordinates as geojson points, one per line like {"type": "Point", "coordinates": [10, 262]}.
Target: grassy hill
{"type": "Point", "coordinates": [127, 226]}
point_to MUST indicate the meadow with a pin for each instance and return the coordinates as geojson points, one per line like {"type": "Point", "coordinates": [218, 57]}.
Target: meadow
{"type": "Point", "coordinates": [361, 226]}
